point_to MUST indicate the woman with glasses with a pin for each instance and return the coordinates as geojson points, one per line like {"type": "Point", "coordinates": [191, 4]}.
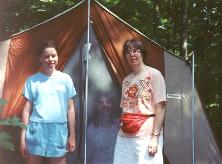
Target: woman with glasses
{"type": "Point", "coordinates": [140, 138]}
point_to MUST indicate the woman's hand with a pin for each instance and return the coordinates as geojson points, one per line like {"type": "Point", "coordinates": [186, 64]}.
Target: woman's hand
{"type": "Point", "coordinates": [153, 145]}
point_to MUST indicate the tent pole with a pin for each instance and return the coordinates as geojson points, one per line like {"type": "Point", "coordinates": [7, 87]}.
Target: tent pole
{"type": "Point", "coordinates": [193, 110]}
{"type": "Point", "coordinates": [86, 84]}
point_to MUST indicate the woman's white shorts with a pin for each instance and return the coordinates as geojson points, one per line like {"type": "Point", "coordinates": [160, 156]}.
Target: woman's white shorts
{"type": "Point", "coordinates": [134, 150]}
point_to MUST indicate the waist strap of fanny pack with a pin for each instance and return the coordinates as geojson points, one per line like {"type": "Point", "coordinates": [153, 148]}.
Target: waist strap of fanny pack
{"type": "Point", "coordinates": [139, 115]}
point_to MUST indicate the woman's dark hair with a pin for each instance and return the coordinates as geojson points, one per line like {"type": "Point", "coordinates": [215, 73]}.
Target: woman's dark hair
{"type": "Point", "coordinates": [43, 45]}
{"type": "Point", "coordinates": [134, 44]}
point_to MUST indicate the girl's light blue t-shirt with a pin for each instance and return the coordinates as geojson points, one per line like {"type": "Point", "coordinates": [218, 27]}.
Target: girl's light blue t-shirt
{"type": "Point", "coordinates": [49, 96]}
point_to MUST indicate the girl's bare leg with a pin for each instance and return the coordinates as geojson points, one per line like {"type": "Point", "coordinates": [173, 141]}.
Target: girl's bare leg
{"type": "Point", "coordinates": [57, 160]}
{"type": "Point", "coordinates": [33, 159]}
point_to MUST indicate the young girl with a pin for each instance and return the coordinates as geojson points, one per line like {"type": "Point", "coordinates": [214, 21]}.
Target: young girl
{"type": "Point", "coordinates": [48, 112]}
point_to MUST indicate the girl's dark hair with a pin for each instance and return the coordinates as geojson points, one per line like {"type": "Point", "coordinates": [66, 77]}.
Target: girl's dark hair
{"type": "Point", "coordinates": [43, 45]}
{"type": "Point", "coordinates": [134, 44]}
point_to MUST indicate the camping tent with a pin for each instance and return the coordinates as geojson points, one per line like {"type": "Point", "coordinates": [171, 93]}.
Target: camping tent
{"type": "Point", "coordinates": [107, 35]}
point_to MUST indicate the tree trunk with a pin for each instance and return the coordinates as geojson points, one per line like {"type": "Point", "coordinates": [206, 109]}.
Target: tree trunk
{"type": "Point", "coordinates": [220, 60]}
{"type": "Point", "coordinates": [183, 43]}
{"type": "Point", "coordinates": [157, 19]}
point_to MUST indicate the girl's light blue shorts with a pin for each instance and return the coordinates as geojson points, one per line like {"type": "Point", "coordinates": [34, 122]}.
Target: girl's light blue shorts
{"type": "Point", "coordinates": [47, 139]}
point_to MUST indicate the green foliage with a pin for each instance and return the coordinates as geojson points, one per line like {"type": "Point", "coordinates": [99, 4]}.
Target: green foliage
{"type": "Point", "coordinates": [24, 14]}
{"type": "Point", "coordinates": [5, 138]}
{"type": "Point", "coordinates": [3, 102]}
{"type": "Point", "coordinates": [5, 141]}
{"type": "Point", "coordinates": [14, 121]}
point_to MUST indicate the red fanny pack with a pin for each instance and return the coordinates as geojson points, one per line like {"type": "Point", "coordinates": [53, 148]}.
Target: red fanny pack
{"type": "Point", "coordinates": [131, 123]}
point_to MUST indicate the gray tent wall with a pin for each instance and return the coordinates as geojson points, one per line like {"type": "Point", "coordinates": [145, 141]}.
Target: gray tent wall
{"type": "Point", "coordinates": [178, 123]}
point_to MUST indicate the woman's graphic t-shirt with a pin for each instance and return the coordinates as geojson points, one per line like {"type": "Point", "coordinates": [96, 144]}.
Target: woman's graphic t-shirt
{"type": "Point", "coordinates": [140, 94]}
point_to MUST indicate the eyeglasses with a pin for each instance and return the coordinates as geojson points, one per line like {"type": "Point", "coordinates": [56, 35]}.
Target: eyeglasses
{"type": "Point", "coordinates": [135, 51]}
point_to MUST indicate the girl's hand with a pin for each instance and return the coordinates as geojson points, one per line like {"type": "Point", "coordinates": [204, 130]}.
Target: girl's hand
{"type": "Point", "coordinates": [71, 145]}
{"type": "Point", "coordinates": [24, 150]}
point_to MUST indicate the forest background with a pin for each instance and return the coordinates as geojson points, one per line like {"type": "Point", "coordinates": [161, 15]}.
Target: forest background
{"type": "Point", "coordinates": [181, 26]}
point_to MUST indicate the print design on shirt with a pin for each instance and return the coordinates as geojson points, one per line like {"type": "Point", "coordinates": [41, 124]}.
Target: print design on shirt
{"type": "Point", "coordinates": [136, 94]}
{"type": "Point", "coordinates": [132, 91]}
